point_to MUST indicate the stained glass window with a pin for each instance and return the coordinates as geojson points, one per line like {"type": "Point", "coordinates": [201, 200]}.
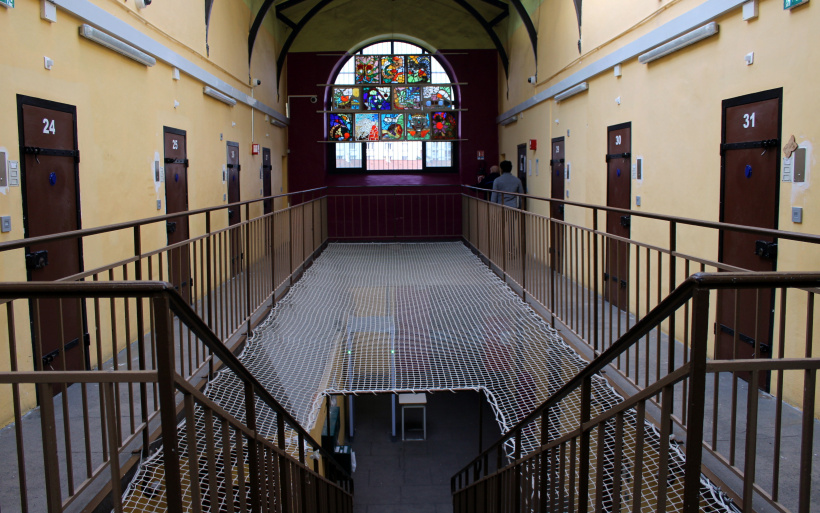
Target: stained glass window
{"type": "Point", "coordinates": [395, 103]}
{"type": "Point", "coordinates": [368, 69]}
{"type": "Point", "coordinates": [405, 98]}
{"type": "Point", "coordinates": [341, 127]}
{"type": "Point", "coordinates": [418, 69]}
{"type": "Point", "coordinates": [392, 127]}
{"type": "Point", "coordinates": [367, 127]}
{"type": "Point", "coordinates": [437, 97]}
{"type": "Point", "coordinates": [444, 125]}
{"type": "Point", "coordinates": [418, 127]}
{"type": "Point", "coordinates": [393, 69]}
{"type": "Point", "coordinates": [349, 98]}
{"type": "Point", "coordinates": [377, 98]}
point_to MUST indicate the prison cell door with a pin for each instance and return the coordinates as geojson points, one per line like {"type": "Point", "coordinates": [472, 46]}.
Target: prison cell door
{"type": "Point", "coordinates": [557, 209]}
{"type": "Point", "coordinates": [618, 195]}
{"type": "Point", "coordinates": [266, 179]}
{"type": "Point", "coordinates": [235, 212]}
{"type": "Point", "coordinates": [176, 200]}
{"type": "Point", "coordinates": [522, 173]}
{"type": "Point", "coordinates": [749, 192]}
{"type": "Point", "coordinates": [50, 188]}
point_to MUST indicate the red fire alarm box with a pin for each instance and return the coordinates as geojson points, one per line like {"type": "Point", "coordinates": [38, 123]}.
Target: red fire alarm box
{"type": "Point", "coordinates": [533, 144]}
{"type": "Point", "coordinates": [254, 148]}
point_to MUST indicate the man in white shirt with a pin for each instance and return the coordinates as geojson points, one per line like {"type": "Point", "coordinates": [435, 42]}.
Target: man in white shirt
{"type": "Point", "coordinates": [507, 183]}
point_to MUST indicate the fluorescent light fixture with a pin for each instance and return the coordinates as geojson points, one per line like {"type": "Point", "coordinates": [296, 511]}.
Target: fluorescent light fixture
{"type": "Point", "coordinates": [578, 88]}
{"type": "Point", "coordinates": [511, 119]}
{"type": "Point", "coordinates": [276, 122]}
{"type": "Point", "coordinates": [101, 38]}
{"type": "Point", "coordinates": [710, 29]}
{"type": "Point", "coordinates": [213, 93]}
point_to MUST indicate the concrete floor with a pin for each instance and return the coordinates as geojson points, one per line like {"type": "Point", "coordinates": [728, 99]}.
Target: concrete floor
{"type": "Point", "coordinates": [414, 476]}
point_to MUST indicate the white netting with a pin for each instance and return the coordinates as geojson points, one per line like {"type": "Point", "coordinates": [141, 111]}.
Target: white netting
{"type": "Point", "coordinates": [428, 317]}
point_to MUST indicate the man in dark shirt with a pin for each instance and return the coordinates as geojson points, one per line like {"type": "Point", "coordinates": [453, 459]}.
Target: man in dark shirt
{"type": "Point", "coordinates": [507, 183]}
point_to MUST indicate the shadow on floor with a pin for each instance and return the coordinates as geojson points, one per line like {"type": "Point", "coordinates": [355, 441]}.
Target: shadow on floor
{"type": "Point", "coordinates": [414, 476]}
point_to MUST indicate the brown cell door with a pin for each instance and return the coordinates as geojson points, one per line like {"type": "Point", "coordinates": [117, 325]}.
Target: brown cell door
{"type": "Point", "coordinates": [557, 209]}
{"type": "Point", "coordinates": [266, 179]}
{"type": "Point", "coordinates": [618, 195]}
{"type": "Point", "coordinates": [522, 171]}
{"type": "Point", "coordinates": [749, 192]}
{"type": "Point", "coordinates": [234, 213]}
{"type": "Point", "coordinates": [176, 200]}
{"type": "Point", "coordinates": [51, 205]}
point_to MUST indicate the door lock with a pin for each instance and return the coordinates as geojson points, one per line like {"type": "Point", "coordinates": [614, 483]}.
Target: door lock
{"type": "Point", "coordinates": [36, 260]}
{"type": "Point", "coordinates": [170, 227]}
{"type": "Point", "coordinates": [625, 221]}
{"type": "Point", "coordinates": [766, 249]}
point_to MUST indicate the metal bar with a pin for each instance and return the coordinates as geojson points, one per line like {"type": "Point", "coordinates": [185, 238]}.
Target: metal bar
{"type": "Point", "coordinates": [697, 401]}
{"type": "Point", "coordinates": [109, 392]}
{"type": "Point", "coordinates": [167, 401]}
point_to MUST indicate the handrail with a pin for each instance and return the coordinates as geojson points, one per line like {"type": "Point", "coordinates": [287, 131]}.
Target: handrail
{"type": "Point", "coordinates": [151, 289]}
{"type": "Point", "coordinates": [21, 243]}
{"type": "Point", "coordinates": [679, 296]}
{"type": "Point", "coordinates": [801, 237]}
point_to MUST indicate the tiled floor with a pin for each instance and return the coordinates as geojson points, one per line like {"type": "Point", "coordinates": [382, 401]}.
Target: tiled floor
{"type": "Point", "coordinates": [414, 476]}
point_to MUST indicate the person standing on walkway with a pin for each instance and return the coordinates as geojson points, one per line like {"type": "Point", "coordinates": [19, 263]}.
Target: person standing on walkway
{"type": "Point", "coordinates": [507, 183]}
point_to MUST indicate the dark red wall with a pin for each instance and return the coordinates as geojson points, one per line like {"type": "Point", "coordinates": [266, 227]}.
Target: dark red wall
{"type": "Point", "coordinates": [307, 161]}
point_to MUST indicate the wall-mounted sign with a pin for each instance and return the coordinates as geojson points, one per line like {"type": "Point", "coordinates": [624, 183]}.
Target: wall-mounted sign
{"type": "Point", "coordinates": [787, 4]}
{"type": "Point", "coordinates": [254, 148]}
{"type": "Point", "coordinates": [7, 3]}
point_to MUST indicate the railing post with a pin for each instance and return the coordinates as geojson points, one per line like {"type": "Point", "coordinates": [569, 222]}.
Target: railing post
{"type": "Point", "coordinates": [584, 447]}
{"type": "Point", "coordinates": [167, 401]}
{"type": "Point", "coordinates": [247, 259]}
{"type": "Point", "coordinates": [697, 398]}
{"type": "Point", "coordinates": [253, 452]}
{"type": "Point", "coordinates": [595, 275]}
{"type": "Point", "coordinates": [208, 294]}
{"type": "Point", "coordinates": [670, 366]}
{"type": "Point", "coordinates": [141, 344]}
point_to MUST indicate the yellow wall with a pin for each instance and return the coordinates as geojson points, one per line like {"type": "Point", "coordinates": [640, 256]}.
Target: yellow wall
{"type": "Point", "coordinates": [122, 107]}
{"type": "Point", "coordinates": [674, 105]}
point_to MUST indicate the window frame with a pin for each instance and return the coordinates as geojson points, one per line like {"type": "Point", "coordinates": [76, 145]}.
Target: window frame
{"type": "Point", "coordinates": [362, 170]}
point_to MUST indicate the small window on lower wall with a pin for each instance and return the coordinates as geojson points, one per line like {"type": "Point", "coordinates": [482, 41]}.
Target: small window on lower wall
{"type": "Point", "coordinates": [348, 156]}
{"type": "Point", "coordinates": [439, 154]}
{"type": "Point", "coordinates": [393, 157]}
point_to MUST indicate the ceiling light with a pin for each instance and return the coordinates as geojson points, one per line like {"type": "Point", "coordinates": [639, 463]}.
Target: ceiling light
{"type": "Point", "coordinates": [579, 88]}
{"type": "Point", "coordinates": [710, 29]}
{"type": "Point", "coordinates": [213, 93]}
{"type": "Point", "coordinates": [101, 38]}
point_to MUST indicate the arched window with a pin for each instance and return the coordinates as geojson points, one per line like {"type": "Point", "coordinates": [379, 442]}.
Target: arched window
{"type": "Point", "coordinates": [393, 110]}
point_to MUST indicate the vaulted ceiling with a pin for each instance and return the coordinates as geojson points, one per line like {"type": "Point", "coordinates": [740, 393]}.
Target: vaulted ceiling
{"type": "Point", "coordinates": [341, 25]}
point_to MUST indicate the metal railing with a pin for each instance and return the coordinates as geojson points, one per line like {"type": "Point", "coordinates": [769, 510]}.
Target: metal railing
{"type": "Point", "coordinates": [586, 464]}
{"type": "Point", "coordinates": [385, 213]}
{"type": "Point", "coordinates": [229, 276]}
{"type": "Point", "coordinates": [267, 470]}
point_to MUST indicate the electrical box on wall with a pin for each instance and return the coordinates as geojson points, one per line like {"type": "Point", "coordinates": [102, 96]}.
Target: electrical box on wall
{"type": "Point", "coordinates": [254, 148]}
{"type": "Point", "coordinates": [533, 144]}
